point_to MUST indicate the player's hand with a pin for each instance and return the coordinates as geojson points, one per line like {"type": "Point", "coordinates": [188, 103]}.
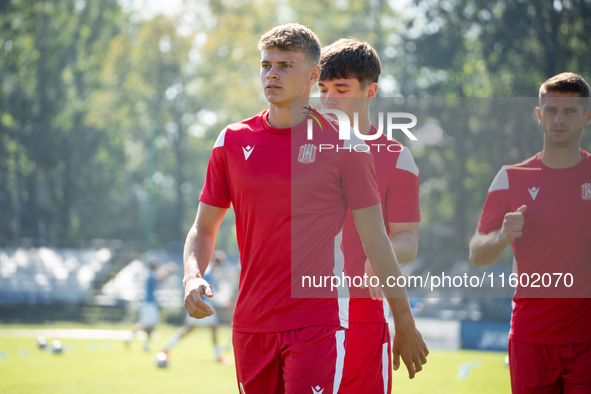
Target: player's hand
{"type": "Point", "coordinates": [374, 292]}
{"type": "Point", "coordinates": [513, 225]}
{"type": "Point", "coordinates": [410, 346]}
{"type": "Point", "coordinates": [193, 302]}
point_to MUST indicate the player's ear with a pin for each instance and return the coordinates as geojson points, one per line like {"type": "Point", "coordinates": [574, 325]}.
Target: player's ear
{"type": "Point", "coordinates": [372, 91]}
{"type": "Point", "coordinates": [314, 75]}
{"type": "Point", "coordinates": [539, 113]}
{"type": "Point", "coordinates": [588, 117]}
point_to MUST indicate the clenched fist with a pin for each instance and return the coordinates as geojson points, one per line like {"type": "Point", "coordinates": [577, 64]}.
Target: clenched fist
{"type": "Point", "coordinates": [513, 225]}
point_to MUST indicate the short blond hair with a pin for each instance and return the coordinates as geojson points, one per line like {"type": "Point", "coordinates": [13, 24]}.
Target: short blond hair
{"type": "Point", "coordinates": [295, 38]}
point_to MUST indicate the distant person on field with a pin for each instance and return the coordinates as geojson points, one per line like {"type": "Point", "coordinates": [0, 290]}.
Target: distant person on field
{"type": "Point", "coordinates": [210, 321]}
{"type": "Point", "coordinates": [149, 312]}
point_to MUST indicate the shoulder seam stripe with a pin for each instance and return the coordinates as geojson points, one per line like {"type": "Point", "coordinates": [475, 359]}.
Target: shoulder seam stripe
{"type": "Point", "coordinates": [501, 181]}
{"type": "Point", "coordinates": [406, 162]}
{"type": "Point", "coordinates": [221, 138]}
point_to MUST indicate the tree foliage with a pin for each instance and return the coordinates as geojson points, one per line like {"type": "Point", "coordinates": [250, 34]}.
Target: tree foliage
{"type": "Point", "coordinates": [107, 119]}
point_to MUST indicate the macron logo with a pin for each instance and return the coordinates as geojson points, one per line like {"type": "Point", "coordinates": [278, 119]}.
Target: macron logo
{"type": "Point", "coordinates": [533, 192]}
{"type": "Point", "coordinates": [317, 390]}
{"type": "Point", "coordinates": [247, 151]}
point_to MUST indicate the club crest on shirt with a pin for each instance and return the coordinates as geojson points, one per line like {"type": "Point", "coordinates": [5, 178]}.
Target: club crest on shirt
{"type": "Point", "coordinates": [307, 153]}
{"type": "Point", "coordinates": [586, 191]}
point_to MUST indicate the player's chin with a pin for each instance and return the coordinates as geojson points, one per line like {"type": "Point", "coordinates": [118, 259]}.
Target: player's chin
{"type": "Point", "coordinates": [274, 98]}
{"type": "Point", "coordinates": [561, 141]}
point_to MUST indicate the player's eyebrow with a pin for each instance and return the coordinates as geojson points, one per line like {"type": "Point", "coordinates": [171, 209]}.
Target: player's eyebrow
{"type": "Point", "coordinates": [264, 61]}
{"type": "Point", "coordinates": [342, 84]}
{"type": "Point", "coordinates": [571, 107]}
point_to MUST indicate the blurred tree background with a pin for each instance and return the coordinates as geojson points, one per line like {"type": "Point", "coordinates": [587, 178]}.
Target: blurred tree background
{"type": "Point", "coordinates": [109, 109]}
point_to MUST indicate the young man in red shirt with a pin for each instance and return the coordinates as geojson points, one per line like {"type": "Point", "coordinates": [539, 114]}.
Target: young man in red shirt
{"type": "Point", "coordinates": [290, 202]}
{"type": "Point", "coordinates": [349, 82]}
{"type": "Point", "coordinates": [542, 207]}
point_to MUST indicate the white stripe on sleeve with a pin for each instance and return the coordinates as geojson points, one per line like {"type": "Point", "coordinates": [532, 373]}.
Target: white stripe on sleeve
{"type": "Point", "coordinates": [501, 181]}
{"type": "Point", "coordinates": [406, 162]}
{"type": "Point", "coordinates": [220, 141]}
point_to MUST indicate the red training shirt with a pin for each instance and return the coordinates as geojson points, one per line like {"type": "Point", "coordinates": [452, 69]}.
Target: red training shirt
{"type": "Point", "coordinates": [290, 199]}
{"type": "Point", "coordinates": [556, 239]}
{"type": "Point", "coordinates": [398, 183]}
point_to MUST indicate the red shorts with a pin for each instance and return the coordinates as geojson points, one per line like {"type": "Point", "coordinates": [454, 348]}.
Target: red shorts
{"type": "Point", "coordinates": [549, 369]}
{"type": "Point", "coordinates": [306, 360]}
{"type": "Point", "coordinates": [368, 359]}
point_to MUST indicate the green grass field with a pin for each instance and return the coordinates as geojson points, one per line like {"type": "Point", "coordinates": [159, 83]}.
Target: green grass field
{"type": "Point", "coordinates": [108, 366]}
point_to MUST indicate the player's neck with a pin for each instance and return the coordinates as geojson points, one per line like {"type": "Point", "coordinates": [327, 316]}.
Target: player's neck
{"type": "Point", "coordinates": [281, 117]}
{"type": "Point", "coordinates": [561, 157]}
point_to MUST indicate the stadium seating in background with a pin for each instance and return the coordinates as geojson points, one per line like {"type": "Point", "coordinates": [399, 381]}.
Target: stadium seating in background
{"type": "Point", "coordinates": [47, 275]}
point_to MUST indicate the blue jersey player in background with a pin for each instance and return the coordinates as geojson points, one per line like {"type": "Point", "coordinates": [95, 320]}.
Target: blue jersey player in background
{"type": "Point", "coordinates": [210, 321]}
{"type": "Point", "coordinates": [149, 312]}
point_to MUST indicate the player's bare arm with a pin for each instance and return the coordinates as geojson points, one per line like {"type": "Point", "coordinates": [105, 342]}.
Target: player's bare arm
{"type": "Point", "coordinates": [405, 242]}
{"type": "Point", "coordinates": [199, 248]}
{"type": "Point", "coordinates": [408, 341]}
{"type": "Point", "coordinates": [486, 249]}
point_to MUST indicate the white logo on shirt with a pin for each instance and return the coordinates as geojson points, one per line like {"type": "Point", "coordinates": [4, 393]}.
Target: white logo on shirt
{"type": "Point", "coordinates": [247, 151]}
{"type": "Point", "coordinates": [317, 390]}
{"type": "Point", "coordinates": [533, 192]}
{"type": "Point", "coordinates": [242, 389]}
